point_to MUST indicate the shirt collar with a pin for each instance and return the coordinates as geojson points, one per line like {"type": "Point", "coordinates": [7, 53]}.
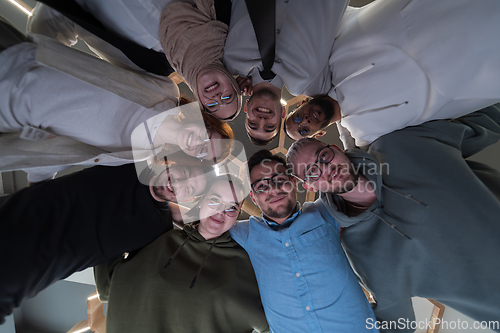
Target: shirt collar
{"type": "Point", "coordinates": [275, 226]}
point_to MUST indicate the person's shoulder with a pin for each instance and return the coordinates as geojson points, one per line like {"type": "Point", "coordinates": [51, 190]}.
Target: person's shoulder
{"type": "Point", "coordinates": [240, 231]}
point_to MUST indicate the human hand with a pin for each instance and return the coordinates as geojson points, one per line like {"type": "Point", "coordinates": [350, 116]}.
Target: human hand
{"type": "Point", "coordinates": [245, 84]}
{"type": "Point", "coordinates": [304, 101]}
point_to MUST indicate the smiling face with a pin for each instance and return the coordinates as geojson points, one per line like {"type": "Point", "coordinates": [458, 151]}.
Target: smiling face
{"type": "Point", "coordinates": [263, 115]}
{"type": "Point", "coordinates": [178, 184]}
{"type": "Point", "coordinates": [219, 209]}
{"type": "Point", "coordinates": [337, 176]}
{"type": "Point", "coordinates": [279, 201]}
{"type": "Point", "coordinates": [198, 141]}
{"type": "Point", "coordinates": [309, 119]}
{"type": "Point", "coordinates": [216, 93]}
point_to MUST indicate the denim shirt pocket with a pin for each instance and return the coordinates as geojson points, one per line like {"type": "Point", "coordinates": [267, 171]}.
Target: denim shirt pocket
{"type": "Point", "coordinates": [324, 267]}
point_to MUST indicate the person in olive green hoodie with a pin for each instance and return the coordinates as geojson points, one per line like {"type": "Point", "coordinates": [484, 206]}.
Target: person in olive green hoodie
{"type": "Point", "coordinates": [193, 280]}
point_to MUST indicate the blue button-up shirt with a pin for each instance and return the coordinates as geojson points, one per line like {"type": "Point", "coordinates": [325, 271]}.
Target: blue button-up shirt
{"type": "Point", "coordinates": [304, 277]}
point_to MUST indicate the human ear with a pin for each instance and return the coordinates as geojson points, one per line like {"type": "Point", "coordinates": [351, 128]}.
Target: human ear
{"type": "Point", "coordinates": [319, 134]}
{"type": "Point", "coordinates": [336, 147]}
{"type": "Point", "coordinates": [253, 199]}
{"type": "Point", "coordinates": [283, 112]}
{"type": "Point", "coordinates": [309, 187]}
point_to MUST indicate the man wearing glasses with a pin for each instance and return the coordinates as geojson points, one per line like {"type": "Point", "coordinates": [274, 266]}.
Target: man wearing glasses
{"type": "Point", "coordinates": [305, 281]}
{"type": "Point", "coordinates": [419, 219]}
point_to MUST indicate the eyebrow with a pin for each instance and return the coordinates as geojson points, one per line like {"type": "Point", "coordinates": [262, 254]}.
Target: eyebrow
{"type": "Point", "coordinates": [220, 198]}
{"type": "Point", "coordinates": [265, 130]}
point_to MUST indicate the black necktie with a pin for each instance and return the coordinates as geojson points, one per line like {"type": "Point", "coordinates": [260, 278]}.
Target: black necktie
{"type": "Point", "coordinates": [263, 16]}
{"type": "Point", "coordinates": [147, 59]}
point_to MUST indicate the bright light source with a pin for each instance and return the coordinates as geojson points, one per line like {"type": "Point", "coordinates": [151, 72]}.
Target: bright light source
{"type": "Point", "coordinates": [82, 330]}
{"type": "Point", "coordinates": [22, 6]}
{"type": "Point", "coordinates": [283, 102]}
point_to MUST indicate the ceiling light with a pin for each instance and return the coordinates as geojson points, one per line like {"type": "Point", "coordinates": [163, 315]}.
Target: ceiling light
{"type": "Point", "coordinates": [22, 6]}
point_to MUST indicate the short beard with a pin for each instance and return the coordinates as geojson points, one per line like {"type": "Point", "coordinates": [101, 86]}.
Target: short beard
{"type": "Point", "coordinates": [288, 210]}
{"type": "Point", "coordinates": [349, 185]}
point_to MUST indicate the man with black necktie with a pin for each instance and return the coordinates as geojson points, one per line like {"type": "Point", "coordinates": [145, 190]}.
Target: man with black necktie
{"type": "Point", "coordinates": [295, 48]}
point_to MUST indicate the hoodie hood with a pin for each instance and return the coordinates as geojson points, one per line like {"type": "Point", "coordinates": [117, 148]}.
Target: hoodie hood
{"type": "Point", "coordinates": [368, 166]}
{"type": "Point", "coordinates": [223, 240]}
{"type": "Point", "coordinates": [193, 235]}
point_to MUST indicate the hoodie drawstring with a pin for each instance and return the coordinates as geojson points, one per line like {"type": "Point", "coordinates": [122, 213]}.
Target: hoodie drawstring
{"type": "Point", "coordinates": [178, 250]}
{"type": "Point", "coordinates": [203, 263]}
{"type": "Point", "coordinates": [392, 225]}
{"type": "Point", "coordinates": [407, 196]}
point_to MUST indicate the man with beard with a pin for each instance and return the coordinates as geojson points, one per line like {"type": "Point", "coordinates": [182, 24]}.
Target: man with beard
{"type": "Point", "coordinates": [419, 219]}
{"type": "Point", "coordinates": [312, 117]}
{"type": "Point", "coordinates": [291, 47]}
{"type": "Point", "coordinates": [305, 281]}
{"type": "Point", "coordinates": [62, 226]}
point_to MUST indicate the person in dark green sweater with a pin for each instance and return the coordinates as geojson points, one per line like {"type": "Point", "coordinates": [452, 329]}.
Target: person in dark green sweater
{"type": "Point", "coordinates": [193, 280]}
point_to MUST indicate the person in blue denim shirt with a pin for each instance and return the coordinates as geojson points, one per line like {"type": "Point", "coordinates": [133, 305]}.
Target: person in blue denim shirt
{"type": "Point", "coordinates": [305, 280]}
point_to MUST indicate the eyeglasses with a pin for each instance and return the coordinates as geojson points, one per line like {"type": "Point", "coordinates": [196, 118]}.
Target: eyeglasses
{"type": "Point", "coordinates": [227, 97]}
{"type": "Point", "coordinates": [264, 184]}
{"type": "Point", "coordinates": [303, 129]}
{"type": "Point", "coordinates": [201, 151]}
{"type": "Point", "coordinates": [313, 171]}
{"type": "Point", "coordinates": [230, 209]}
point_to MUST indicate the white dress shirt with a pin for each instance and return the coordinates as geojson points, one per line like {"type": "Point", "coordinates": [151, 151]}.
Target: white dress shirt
{"type": "Point", "coordinates": [304, 41]}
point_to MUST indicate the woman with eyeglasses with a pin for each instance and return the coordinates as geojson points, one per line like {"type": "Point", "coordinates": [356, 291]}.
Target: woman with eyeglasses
{"type": "Point", "coordinates": [188, 32]}
{"type": "Point", "coordinates": [193, 280]}
{"type": "Point", "coordinates": [193, 41]}
{"type": "Point", "coordinates": [197, 136]}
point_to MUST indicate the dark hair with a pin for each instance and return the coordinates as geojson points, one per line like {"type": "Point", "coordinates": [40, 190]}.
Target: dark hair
{"type": "Point", "coordinates": [318, 101]}
{"type": "Point", "coordinates": [262, 155]}
{"type": "Point", "coordinates": [258, 142]}
{"type": "Point", "coordinates": [184, 100]}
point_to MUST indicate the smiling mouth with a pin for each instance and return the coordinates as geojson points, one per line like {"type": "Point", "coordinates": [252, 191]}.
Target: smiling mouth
{"type": "Point", "coordinates": [277, 198]}
{"type": "Point", "coordinates": [215, 220]}
{"type": "Point", "coordinates": [263, 110]}
{"type": "Point", "coordinates": [334, 175]}
{"type": "Point", "coordinates": [211, 87]}
{"type": "Point", "coordinates": [167, 187]}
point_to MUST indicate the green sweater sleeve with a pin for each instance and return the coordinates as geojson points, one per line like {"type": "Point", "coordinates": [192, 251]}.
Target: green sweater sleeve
{"type": "Point", "coordinates": [102, 276]}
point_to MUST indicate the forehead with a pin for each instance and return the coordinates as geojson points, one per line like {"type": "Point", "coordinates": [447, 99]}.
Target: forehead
{"type": "Point", "coordinates": [223, 189]}
{"type": "Point", "coordinates": [307, 155]}
{"type": "Point", "coordinates": [266, 169]}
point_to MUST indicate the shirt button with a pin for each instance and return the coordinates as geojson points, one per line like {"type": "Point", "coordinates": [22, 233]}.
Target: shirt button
{"type": "Point", "coordinates": [308, 308]}
{"type": "Point", "coordinates": [297, 274]}
{"type": "Point", "coordinates": [278, 31]}
{"type": "Point", "coordinates": [286, 1]}
{"type": "Point", "coordinates": [96, 160]}
{"type": "Point", "coordinates": [286, 244]}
